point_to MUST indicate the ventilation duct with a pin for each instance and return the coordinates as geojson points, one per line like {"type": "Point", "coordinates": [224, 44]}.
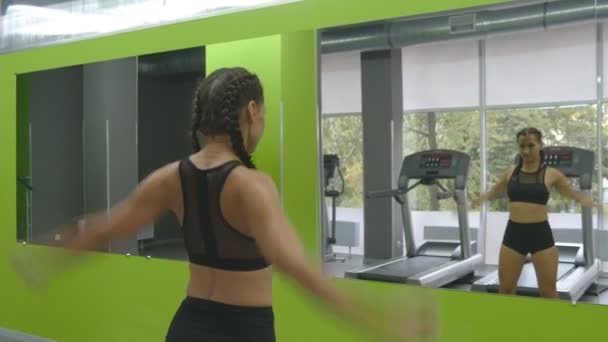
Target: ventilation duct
{"type": "Point", "coordinates": [400, 33]}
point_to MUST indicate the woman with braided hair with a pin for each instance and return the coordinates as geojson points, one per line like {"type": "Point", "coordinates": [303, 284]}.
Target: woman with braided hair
{"type": "Point", "coordinates": [527, 186]}
{"type": "Point", "coordinates": [233, 226]}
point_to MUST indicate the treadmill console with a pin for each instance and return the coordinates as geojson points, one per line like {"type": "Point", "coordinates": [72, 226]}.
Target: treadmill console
{"type": "Point", "coordinates": [558, 158]}
{"type": "Point", "coordinates": [436, 164]}
{"type": "Point", "coordinates": [435, 161]}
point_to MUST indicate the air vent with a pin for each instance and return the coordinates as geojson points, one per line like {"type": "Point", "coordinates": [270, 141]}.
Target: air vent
{"type": "Point", "coordinates": [463, 23]}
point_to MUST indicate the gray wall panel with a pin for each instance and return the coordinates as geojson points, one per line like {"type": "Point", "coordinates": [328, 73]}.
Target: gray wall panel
{"type": "Point", "coordinates": [110, 107]}
{"type": "Point", "coordinates": [56, 148]}
{"type": "Point", "coordinates": [165, 110]}
{"type": "Point", "coordinates": [382, 114]}
{"type": "Point", "coordinates": [94, 132]}
{"type": "Point", "coordinates": [122, 115]}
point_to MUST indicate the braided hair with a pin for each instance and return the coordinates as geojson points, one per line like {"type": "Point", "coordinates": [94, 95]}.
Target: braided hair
{"type": "Point", "coordinates": [217, 104]}
{"type": "Point", "coordinates": [539, 136]}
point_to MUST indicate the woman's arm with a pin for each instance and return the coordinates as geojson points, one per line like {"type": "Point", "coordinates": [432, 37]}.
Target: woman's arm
{"type": "Point", "coordinates": [497, 190]}
{"type": "Point", "coordinates": [280, 245]}
{"type": "Point", "coordinates": [500, 187]}
{"type": "Point", "coordinates": [563, 186]}
{"type": "Point", "coordinates": [147, 202]}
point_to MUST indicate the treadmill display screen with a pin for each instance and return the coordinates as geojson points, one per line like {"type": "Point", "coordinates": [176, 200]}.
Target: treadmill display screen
{"type": "Point", "coordinates": [558, 158]}
{"type": "Point", "coordinates": [436, 161]}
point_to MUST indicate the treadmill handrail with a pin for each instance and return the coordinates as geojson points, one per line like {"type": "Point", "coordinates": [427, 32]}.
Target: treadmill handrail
{"type": "Point", "coordinates": [385, 193]}
{"type": "Point", "coordinates": [446, 195]}
{"type": "Point", "coordinates": [394, 193]}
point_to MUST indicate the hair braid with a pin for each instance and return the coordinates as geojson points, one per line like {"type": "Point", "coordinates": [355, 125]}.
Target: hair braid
{"type": "Point", "coordinates": [195, 126]}
{"type": "Point", "coordinates": [232, 101]}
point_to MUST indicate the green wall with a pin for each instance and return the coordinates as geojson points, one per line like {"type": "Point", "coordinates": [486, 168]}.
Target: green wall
{"type": "Point", "coordinates": [117, 298]}
{"type": "Point", "coordinates": [300, 146]}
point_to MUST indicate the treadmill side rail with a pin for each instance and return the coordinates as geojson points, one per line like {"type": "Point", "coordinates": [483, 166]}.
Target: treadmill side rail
{"type": "Point", "coordinates": [366, 268]}
{"type": "Point", "coordinates": [446, 273]}
{"type": "Point", "coordinates": [482, 285]}
{"type": "Point", "coordinates": [574, 285]}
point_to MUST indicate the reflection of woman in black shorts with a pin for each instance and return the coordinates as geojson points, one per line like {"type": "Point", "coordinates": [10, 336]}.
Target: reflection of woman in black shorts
{"type": "Point", "coordinates": [527, 186]}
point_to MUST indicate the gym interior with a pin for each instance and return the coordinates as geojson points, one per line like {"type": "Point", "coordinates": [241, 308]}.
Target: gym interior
{"type": "Point", "coordinates": [384, 123]}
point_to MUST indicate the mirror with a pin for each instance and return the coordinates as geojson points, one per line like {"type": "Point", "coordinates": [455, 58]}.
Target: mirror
{"type": "Point", "coordinates": [404, 110]}
{"type": "Point", "coordinates": [88, 134]}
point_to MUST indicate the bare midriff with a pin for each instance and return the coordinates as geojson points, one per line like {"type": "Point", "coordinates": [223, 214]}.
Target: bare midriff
{"type": "Point", "coordinates": [251, 288]}
{"type": "Point", "coordinates": [522, 212]}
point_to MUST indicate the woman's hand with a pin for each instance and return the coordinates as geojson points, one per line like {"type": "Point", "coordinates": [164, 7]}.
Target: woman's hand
{"type": "Point", "coordinates": [395, 314]}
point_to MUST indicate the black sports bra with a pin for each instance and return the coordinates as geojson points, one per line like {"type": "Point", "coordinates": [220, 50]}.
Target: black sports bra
{"type": "Point", "coordinates": [528, 187]}
{"type": "Point", "coordinates": [210, 240]}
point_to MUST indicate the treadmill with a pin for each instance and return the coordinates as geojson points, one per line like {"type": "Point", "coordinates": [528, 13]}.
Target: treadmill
{"type": "Point", "coordinates": [578, 269]}
{"type": "Point", "coordinates": [434, 263]}
{"type": "Point", "coordinates": [331, 167]}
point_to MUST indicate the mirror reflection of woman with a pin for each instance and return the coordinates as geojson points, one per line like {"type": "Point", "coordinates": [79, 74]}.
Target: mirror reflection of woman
{"type": "Point", "coordinates": [528, 231]}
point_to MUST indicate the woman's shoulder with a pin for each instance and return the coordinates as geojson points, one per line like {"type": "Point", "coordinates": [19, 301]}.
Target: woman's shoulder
{"type": "Point", "coordinates": [552, 170]}
{"type": "Point", "coordinates": [508, 172]}
{"type": "Point", "coordinates": [553, 173]}
{"type": "Point", "coordinates": [249, 187]}
{"type": "Point", "coordinates": [244, 178]}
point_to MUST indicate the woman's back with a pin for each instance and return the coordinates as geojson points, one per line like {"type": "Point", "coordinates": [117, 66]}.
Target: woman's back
{"type": "Point", "coordinates": [226, 264]}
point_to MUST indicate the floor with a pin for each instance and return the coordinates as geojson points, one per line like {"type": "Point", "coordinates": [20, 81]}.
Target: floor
{"type": "Point", "coordinates": [7, 335]}
{"type": "Point", "coordinates": [173, 250]}
{"type": "Point", "coordinates": [338, 268]}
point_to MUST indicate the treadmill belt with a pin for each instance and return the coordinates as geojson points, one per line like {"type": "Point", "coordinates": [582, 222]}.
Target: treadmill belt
{"type": "Point", "coordinates": [399, 272]}
{"type": "Point", "coordinates": [527, 283]}
{"type": "Point", "coordinates": [527, 279]}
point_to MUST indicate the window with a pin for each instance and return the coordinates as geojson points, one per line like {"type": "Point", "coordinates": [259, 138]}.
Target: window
{"type": "Point", "coordinates": [341, 83]}
{"type": "Point", "coordinates": [442, 75]}
{"type": "Point", "coordinates": [556, 65]}
{"type": "Point", "coordinates": [343, 135]}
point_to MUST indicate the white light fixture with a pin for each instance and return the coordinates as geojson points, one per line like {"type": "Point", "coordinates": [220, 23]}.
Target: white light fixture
{"type": "Point", "coordinates": [58, 21]}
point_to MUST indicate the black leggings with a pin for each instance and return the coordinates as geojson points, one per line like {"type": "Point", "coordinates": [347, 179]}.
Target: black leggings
{"type": "Point", "coordinates": [199, 320]}
{"type": "Point", "coordinates": [528, 237]}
